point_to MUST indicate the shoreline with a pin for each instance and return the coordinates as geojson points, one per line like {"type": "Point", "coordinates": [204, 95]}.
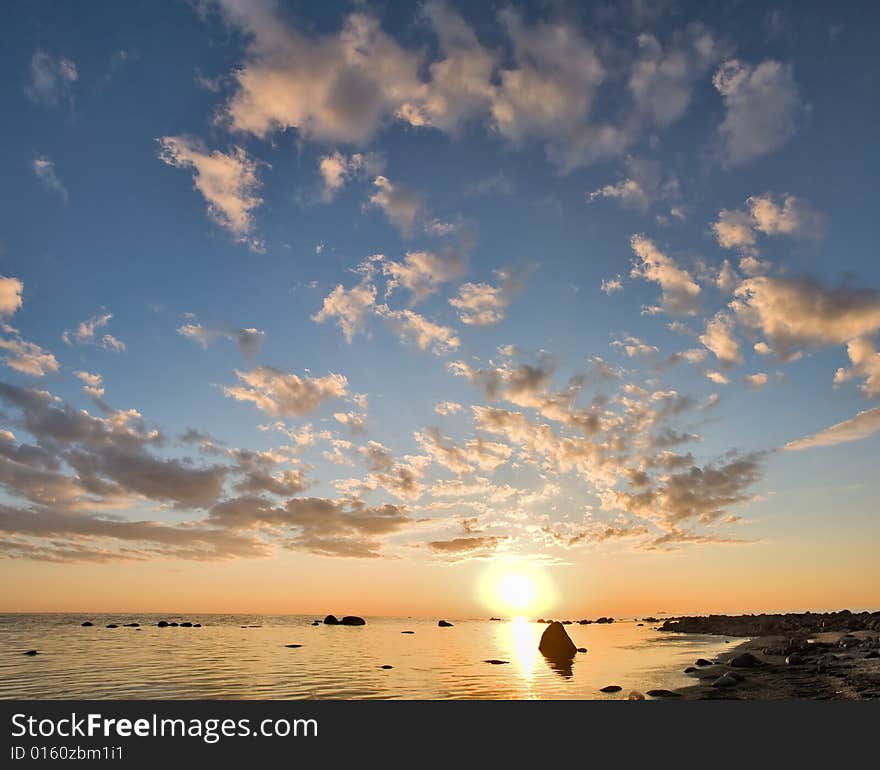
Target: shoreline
{"type": "Point", "coordinates": [831, 656]}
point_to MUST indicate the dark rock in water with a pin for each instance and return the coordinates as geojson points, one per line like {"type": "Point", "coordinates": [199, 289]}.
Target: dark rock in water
{"type": "Point", "coordinates": [353, 620]}
{"type": "Point", "coordinates": [650, 620]}
{"type": "Point", "coordinates": [556, 643]}
{"type": "Point", "coordinates": [186, 625]}
{"type": "Point", "coordinates": [635, 695]}
{"type": "Point", "coordinates": [582, 649]}
{"type": "Point", "coordinates": [293, 646]}
{"type": "Point", "coordinates": [131, 625]}
{"type": "Point", "coordinates": [794, 659]}
{"type": "Point", "coordinates": [640, 624]}
{"type": "Point", "coordinates": [703, 662]}
{"type": "Point", "coordinates": [162, 624]}
{"type": "Point", "coordinates": [725, 681]}
{"type": "Point", "coordinates": [248, 626]}
{"type": "Point", "coordinates": [494, 618]}
{"type": "Point", "coordinates": [112, 625]}
{"type": "Point", "coordinates": [407, 632]}
{"type": "Point", "coordinates": [87, 624]}
{"type": "Point", "coordinates": [331, 620]}
{"type": "Point", "coordinates": [585, 622]}
{"type": "Point", "coordinates": [197, 625]}
{"type": "Point", "coordinates": [664, 694]}
{"type": "Point", "coordinates": [496, 662]}
{"type": "Point", "coordinates": [386, 667]}
{"type": "Point", "coordinates": [690, 669]}
{"type": "Point", "coordinates": [174, 625]}
{"type": "Point", "coordinates": [566, 622]}
{"type": "Point", "coordinates": [444, 624]}
{"type": "Point", "coordinates": [745, 660]}
{"type": "Point", "coordinates": [31, 653]}
{"type": "Point", "coordinates": [873, 654]}
{"type": "Point", "coordinates": [611, 688]}
{"type": "Point", "coordinates": [540, 620]}
{"type": "Point", "coordinates": [603, 619]}
{"type": "Point", "coordinates": [316, 622]}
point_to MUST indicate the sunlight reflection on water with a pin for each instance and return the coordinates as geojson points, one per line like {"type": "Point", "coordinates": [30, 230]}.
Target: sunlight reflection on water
{"type": "Point", "coordinates": [224, 660]}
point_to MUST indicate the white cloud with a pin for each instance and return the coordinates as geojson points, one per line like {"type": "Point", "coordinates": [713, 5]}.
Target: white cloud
{"type": "Point", "coordinates": [757, 380]}
{"type": "Point", "coordinates": [228, 182]}
{"type": "Point", "coordinates": [27, 357]}
{"type": "Point", "coordinates": [611, 285]}
{"type": "Point", "coordinates": [769, 214]}
{"type": "Point", "coordinates": [718, 378]}
{"type": "Point", "coordinates": [51, 78]}
{"type": "Point", "coordinates": [719, 338]}
{"type": "Point", "coordinates": [281, 394]}
{"type": "Point", "coordinates": [484, 304]}
{"type": "Point", "coordinates": [446, 408]}
{"type": "Point", "coordinates": [337, 169]}
{"type": "Point", "coordinates": [643, 185]}
{"type": "Point", "coordinates": [865, 363]}
{"type": "Point", "coordinates": [248, 340]}
{"type": "Point", "coordinates": [423, 272]}
{"type": "Point", "coordinates": [426, 334]}
{"type": "Point", "coordinates": [349, 307]}
{"type": "Point", "coordinates": [10, 295]}
{"type": "Point", "coordinates": [402, 206]}
{"type": "Point", "coordinates": [44, 169]}
{"type": "Point", "coordinates": [93, 384]}
{"type": "Point", "coordinates": [680, 293]}
{"type": "Point", "coordinates": [86, 333]}
{"type": "Point", "coordinates": [861, 426]}
{"type": "Point", "coordinates": [762, 106]}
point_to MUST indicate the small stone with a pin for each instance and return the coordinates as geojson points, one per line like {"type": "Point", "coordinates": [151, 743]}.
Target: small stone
{"type": "Point", "coordinates": [386, 667]}
{"type": "Point", "coordinates": [293, 646]}
{"type": "Point", "coordinates": [725, 681]}
{"type": "Point", "coordinates": [611, 688]}
{"type": "Point", "coordinates": [112, 625]}
{"type": "Point", "coordinates": [794, 659]}
{"type": "Point", "coordinates": [496, 662]}
{"type": "Point", "coordinates": [635, 695]}
{"type": "Point", "coordinates": [444, 624]}
{"type": "Point", "coordinates": [702, 662]}
{"type": "Point", "coordinates": [582, 649]}
{"type": "Point", "coordinates": [31, 653]}
{"type": "Point", "coordinates": [663, 694]}
{"type": "Point", "coordinates": [407, 632]}
{"type": "Point", "coordinates": [87, 624]}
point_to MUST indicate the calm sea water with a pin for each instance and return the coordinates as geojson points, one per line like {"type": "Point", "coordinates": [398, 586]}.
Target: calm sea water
{"type": "Point", "coordinates": [224, 660]}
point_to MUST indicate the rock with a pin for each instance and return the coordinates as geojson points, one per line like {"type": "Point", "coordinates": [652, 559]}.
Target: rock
{"type": "Point", "coordinates": [87, 624]}
{"type": "Point", "coordinates": [293, 646]}
{"type": "Point", "coordinates": [331, 620]}
{"type": "Point", "coordinates": [112, 625]}
{"type": "Point", "coordinates": [353, 620]}
{"type": "Point", "coordinates": [664, 694]}
{"type": "Point", "coordinates": [31, 653]}
{"type": "Point", "coordinates": [585, 622]}
{"type": "Point", "coordinates": [197, 625]}
{"type": "Point", "coordinates": [496, 662]}
{"type": "Point", "coordinates": [566, 622]}
{"type": "Point", "coordinates": [611, 688]}
{"type": "Point", "coordinates": [582, 649]}
{"type": "Point", "coordinates": [407, 632]}
{"type": "Point", "coordinates": [873, 654]}
{"type": "Point", "coordinates": [186, 625]}
{"type": "Point", "coordinates": [444, 624]}
{"type": "Point", "coordinates": [703, 662]}
{"type": "Point", "coordinates": [174, 625]}
{"type": "Point", "coordinates": [316, 622]}
{"type": "Point", "coordinates": [640, 624]}
{"type": "Point", "coordinates": [635, 695]}
{"type": "Point", "coordinates": [494, 618]}
{"type": "Point", "coordinates": [690, 669]}
{"type": "Point", "coordinates": [745, 660]}
{"type": "Point", "coordinates": [386, 667]}
{"type": "Point", "coordinates": [794, 659]}
{"type": "Point", "coordinates": [603, 619]}
{"type": "Point", "coordinates": [650, 620]}
{"type": "Point", "coordinates": [162, 624]}
{"type": "Point", "coordinates": [132, 625]}
{"type": "Point", "coordinates": [725, 681]}
{"type": "Point", "coordinates": [556, 643]}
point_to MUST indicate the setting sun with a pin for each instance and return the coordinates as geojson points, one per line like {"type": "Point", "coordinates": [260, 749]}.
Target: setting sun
{"type": "Point", "coordinates": [515, 588]}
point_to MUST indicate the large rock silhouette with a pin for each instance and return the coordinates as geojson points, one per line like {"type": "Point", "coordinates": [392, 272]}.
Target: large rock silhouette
{"type": "Point", "coordinates": [556, 643]}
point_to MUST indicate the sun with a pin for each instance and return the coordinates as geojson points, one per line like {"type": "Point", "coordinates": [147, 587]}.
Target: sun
{"type": "Point", "coordinates": [515, 588]}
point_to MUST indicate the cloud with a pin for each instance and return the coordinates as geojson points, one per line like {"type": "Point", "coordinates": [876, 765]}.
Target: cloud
{"type": "Point", "coordinates": [86, 333]}
{"type": "Point", "coordinates": [401, 205]}
{"type": "Point", "coordinates": [861, 426]}
{"type": "Point", "coordinates": [484, 304]}
{"type": "Point", "coordinates": [719, 338]}
{"type": "Point", "coordinates": [247, 340]}
{"type": "Point", "coordinates": [865, 363]}
{"type": "Point", "coordinates": [460, 545]}
{"type": "Point", "coordinates": [611, 285]}
{"type": "Point", "coordinates": [423, 272]}
{"type": "Point", "coordinates": [44, 169]}
{"type": "Point", "coordinates": [762, 106]}
{"type": "Point", "coordinates": [496, 184]}
{"type": "Point", "coordinates": [27, 357]}
{"type": "Point", "coordinates": [51, 79]}
{"type": "Point", "coordinates": [350, 307]}
{"type": "Point", "coordinates": [337, 169]}
{"type": "Point", "coordinates": [680, 293]}
{"type": "Point", "coordinates": [634, 347]}
{"type": "Point", "coordinates": [757, 380]}
{"type": "Point", "coordinates": [93, 384]}
{"type": "Point", "coordinates": [446, 408]}
{"type": "Point", "coordinates": [643, 185]}
{"type": "Point", "coordinates": [426, 334]}
{"type": "Point", "coordinates": [228, 182]}
{"type": "Point", "coordinates": [280, 394]}
{"type": "Point", "coordinates": [771, 215]}
{"type": "Point", "coordinates": [10, 295]}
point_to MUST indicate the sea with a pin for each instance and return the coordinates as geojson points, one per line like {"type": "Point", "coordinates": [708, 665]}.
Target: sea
{"type": "Point", "coordinates": [247, 657]}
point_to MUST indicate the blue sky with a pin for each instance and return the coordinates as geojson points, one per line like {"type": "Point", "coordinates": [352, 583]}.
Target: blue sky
{"type": "Point", "coordinates": [631, 245]}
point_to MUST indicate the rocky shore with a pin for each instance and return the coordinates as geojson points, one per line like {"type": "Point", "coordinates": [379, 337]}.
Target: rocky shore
{"type": "Point", "coordinates": [813, 656]}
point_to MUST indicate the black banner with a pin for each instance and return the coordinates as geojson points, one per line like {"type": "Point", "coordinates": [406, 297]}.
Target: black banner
{"type": "Point", "coordinates": [135, 733]}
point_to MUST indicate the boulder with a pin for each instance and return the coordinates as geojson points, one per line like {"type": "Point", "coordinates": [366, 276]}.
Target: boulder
{"type": "Point", "coordinates": [331, 620]}
{"type": "Point", "coordinates": [162, 624]}
{"type": "Point", "coordinates": [444, 624]}
{"type": "Point", "coordinates": [112, 625]}
{"type": "Point", "coordinates": [87, 624]}
{"type": "Point", "coordinates": [585, 622]}
{"type": "Point", "coordinates": [197, 625]}
{"type": "Point", "coordinates": [702, 662]}
{"type": "Point", "coordinates": [174, 625]}
{"type": "Point", "coordinates": [795, 659]}
{"type": "Point", "coordinates": [664, 694]}
{"type": "Point", "coordinates": [556, 643]}
{"type": "Point", "coordinates": [745, 660]}
{"type": "Point", "coordinates": [690, 669]}
{"type": "Point", "coordinates": [353, 620]}
{"type": "Point", "coordinates": [186, 625]}
{"type": "Point", "coordinates": [611, 688]}
{"type": "Point", "coordinates": [725, 681]}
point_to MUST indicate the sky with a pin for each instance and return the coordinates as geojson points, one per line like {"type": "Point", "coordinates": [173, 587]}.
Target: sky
{"type": "Point", "coordinates": [368, 307]}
